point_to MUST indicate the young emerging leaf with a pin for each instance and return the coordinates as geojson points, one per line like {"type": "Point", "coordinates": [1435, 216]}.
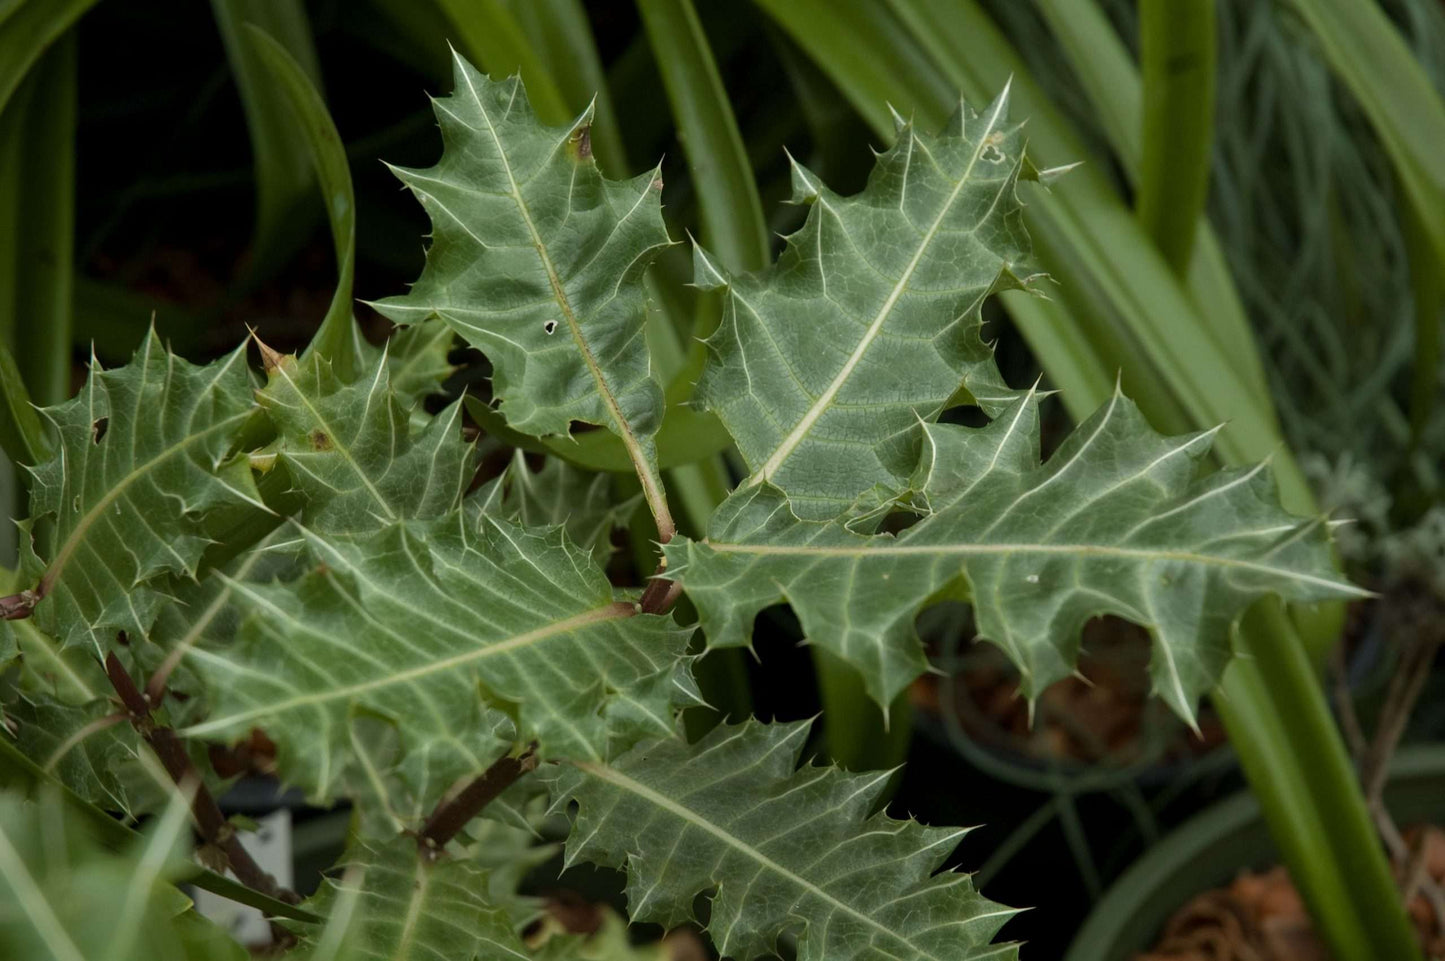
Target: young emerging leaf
{"type": "Point", "coordinates": [787, 850]}
{"type": "Point", "coordinates": [559, 494]}
{"type": "Point", "coordinates": [143, 465]}
{"type": "Point", "coordinates": [1117, 522]}
{"type": "Point", "coordinates": [429, 625]}
{"type": "Point", "coordinates": [351, 450]}
{"type": "Point", "coordinates": [416, 359]}
{"type": "Point", "coordinates": [537, 260]}
{"type": "Point", "coordinates": [825, 365]}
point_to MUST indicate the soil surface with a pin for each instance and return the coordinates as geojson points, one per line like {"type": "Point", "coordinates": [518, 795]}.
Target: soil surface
{"type": "Point", "coordinates": [1260, 917]}
{"type": "Point", "coordinates": [1104, 715]}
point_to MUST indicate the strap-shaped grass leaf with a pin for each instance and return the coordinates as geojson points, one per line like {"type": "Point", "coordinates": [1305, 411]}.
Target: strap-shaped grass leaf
{"type": "Point", "coordinates": [391, 904]}
{"type": "Point", "coordinates": [1118, 521]}
{"type": "Point", "coordinates": [143, 464]}
{"type": "Point", "coordinates": [824, 365]}
{"type": "Point", "coordinates": [64, 896]}
{"type": "Point", "coordinates": [351, 450]}
{"type": "Point", "coordinates": [538, 260]}
{"type": "Point", "coordinates": [786, 850]}
{"type": "Point", "coordinates": [429, 625]}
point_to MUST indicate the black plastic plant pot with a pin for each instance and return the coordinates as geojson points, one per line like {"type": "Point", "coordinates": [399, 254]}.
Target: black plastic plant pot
{"type": "Point", "coordinates": [1154, 763]}
{"type": "Point", "coordinates": [1210, 849]}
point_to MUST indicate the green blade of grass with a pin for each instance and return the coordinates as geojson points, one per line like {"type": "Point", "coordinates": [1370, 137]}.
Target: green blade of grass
{"type": "Point", "coordinates": [38, 212]}
{"type": "Point", "coordinates": [1368, 55]}
{"type": "Point", "coordinates": [1280, 725]}
{"type": "Point", "coordinates": [1427, 281]}
{"type": "Point", "coordinates": [22, 435]}
{"type": "Point", "coordinates": [1110, 79]}
{"type": "Point", "coordinates": [732, 215]}
{"type": "Point", "coordinates": [18, 772]}
{"type": "Point", "coordinates": [1177, 50]}
{"type": "Point", "coordinates": [487, 34]}
{"type": "Point", "coordinates": [304, 112]}
{"type": "Point", "coordinates": [27, 29]}
{"type": "Point", "coordinates": [283, 169]}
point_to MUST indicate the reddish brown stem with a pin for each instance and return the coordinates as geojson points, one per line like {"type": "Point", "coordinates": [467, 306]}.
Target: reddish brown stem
{"type": "Point", "coordinates": [211, 823]}
{"type": "Point", "coordinates": [660, 595]}
{"type": "Point", "coordinates": [454, 812]}
{"type": "Point", "coordinates": [17, 607]}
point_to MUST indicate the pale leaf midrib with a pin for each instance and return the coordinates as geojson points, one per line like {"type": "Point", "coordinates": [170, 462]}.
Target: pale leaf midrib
{"type": "Point", "coordinates": [821, 405]}
{"type": "Point", "coordinates": [616, 777]}
{"type": "Point", "coordinates": [644, 468]}
{"type": "Point", "coordinates": [613, 611]}
{"type": "Point", "coordinates": [1096, 550]}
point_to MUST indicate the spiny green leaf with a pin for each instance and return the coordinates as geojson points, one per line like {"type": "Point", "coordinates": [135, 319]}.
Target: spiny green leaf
{"type": "Point", "coordinates": [558, 495]}
{"type": "Point", "coordinates": [825, 365]}
{"type": "Point", "coordinates": [351, 450]}
{"type": "Point", "coordinates": [429, 624]}
{"type": "Point", "coordinates": [1116, 522]}
{"type": "Point", "coordinates": [143, 464]}
{"type": "Point", "coordinates": [416, 358]}
{"type": "Point", "coordinates": [202, 614]}
{"type": "Point", "coordinates": [391, 904]}
{"type": "Point", "coordinates": [538, 260]}
{"type": "Point", "coordinates": [95, 762]}
{"type": "Point", "coordinates": [787, 851]}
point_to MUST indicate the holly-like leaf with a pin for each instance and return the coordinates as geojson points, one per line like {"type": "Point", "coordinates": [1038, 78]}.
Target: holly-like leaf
{"type": "Point", "coordinates": [434, 626]}
{"type": "Point", "coordinates": [390, 903]}
{"type": "Point", "coordinates": [538, 260]}
{"type": "Point", "coordinates": [88, 749]}
{"type": "Point", "coordinates": [787, 851]}
{"type": "Point", "coordinates": [351, 450]}
{"type": "Point", "coordinates": [825, 365]}
{"type": "Point", "coordinates": [143, 468]}
{"type": "Point", "coordinates": [1117, 522]}
{"type": "Point", "coordinates": [558, 495]}
{"type": "Point", "coordinates": [416, 359]}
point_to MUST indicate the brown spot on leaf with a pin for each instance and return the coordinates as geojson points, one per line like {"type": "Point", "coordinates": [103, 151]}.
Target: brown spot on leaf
{"type": "Point", "coordinates": [581, 142]}
{"type": "Point", "coordinates": [319, 440]}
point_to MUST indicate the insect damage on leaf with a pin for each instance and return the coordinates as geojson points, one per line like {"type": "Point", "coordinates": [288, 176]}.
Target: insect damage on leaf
{"type": "Point", "coordinates": [145, 469]}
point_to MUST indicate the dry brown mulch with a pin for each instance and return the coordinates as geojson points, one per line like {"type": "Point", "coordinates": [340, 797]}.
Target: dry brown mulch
{"type": "Point", "coordinates": [1260, 917]}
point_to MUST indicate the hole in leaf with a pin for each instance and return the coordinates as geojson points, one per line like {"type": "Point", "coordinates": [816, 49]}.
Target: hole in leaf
{"type": "Point", "coordinates": [550, 326]}
{"type": "Point", "coordinates": [98, 429]}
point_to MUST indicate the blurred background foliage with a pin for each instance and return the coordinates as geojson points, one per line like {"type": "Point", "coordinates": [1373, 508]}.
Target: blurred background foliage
{"type": "Point", "coordinates": [1256, 234]}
